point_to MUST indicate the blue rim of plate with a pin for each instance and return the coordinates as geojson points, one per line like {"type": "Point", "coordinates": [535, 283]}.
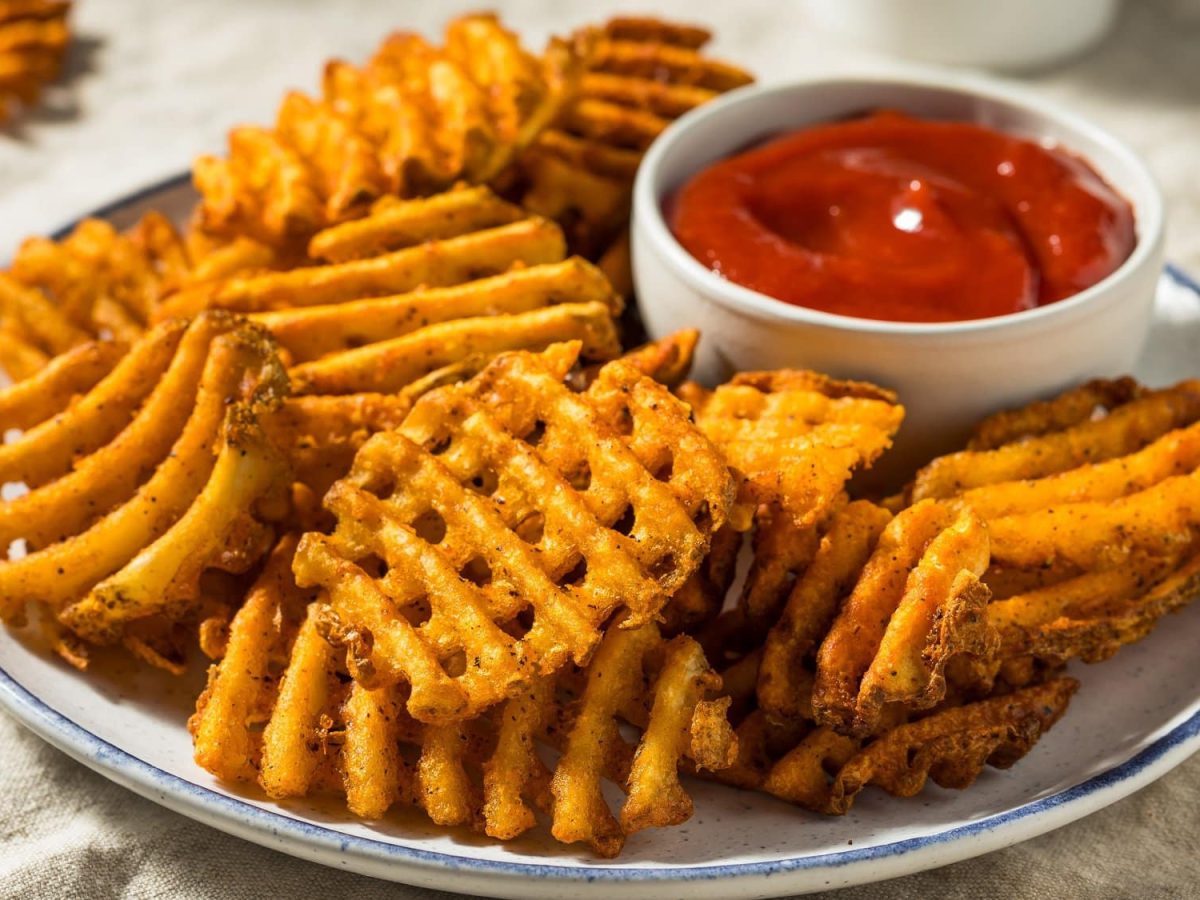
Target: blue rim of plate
{"type": "Point", "coordinates": [49, 723]}
{"type": "Point", "coordinates": [112, 762]}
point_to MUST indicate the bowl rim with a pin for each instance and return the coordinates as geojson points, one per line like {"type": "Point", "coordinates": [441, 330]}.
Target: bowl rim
{"type": "Point", "coordinates": [648, 218]}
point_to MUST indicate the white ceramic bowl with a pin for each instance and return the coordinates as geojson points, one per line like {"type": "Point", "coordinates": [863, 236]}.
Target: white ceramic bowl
{"type": "Point", "coordinates": [948, 375]}
{"type": "Point", "coordinates": [1002, 34]}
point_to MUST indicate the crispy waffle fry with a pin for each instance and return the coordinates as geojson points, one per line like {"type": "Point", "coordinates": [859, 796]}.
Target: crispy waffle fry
{"type": "Point", "coordinates": [917, 604]}
{"type": "Point", "coordinates": [796, 436]}
{"type": "Point", "coordinates": [110, 550]}
{"type": "Point", "coordinates": [323, 733]}
{"type": "Point", "coordinates": [33, 43]}
{"type": "Point", "coordinates": [950, 746]}
{"type": "Point", "coordinates": [1093, 615]}
{"type": "Point", "coordinates": [49, 391]}
{"type": "Point", "coordinates": [812, 605]}
{"type": "Point", "coordinates": [95, 283]}
{"type": "Point", "coordinates": [312, 332]}
{"type": "Point", "coordinates": [438, 263]}
{"type": "Point", "coordinates": [641, 74]}
{"type": "Point", "coordinates": [1127, 427]}
{"type": "Point", "coordinates": [551, 478]}
{"type": "Point", "coordinates": [1159, 520]}
{"type": "Point", "coordinates": [449, 285]}
{"type": "Point", "coordinates": [1070, 408]}
{"type": "Point", "coordinates": [412, 121]}
{"type": "Point", "coordinates": [1089, 501]}
{"type": "Point", "coordinates": [680, 722]}
{"type": "Point", "coordinates": [390, 365]}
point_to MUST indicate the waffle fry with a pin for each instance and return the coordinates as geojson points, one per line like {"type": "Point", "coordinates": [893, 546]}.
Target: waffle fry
{"type": "Point", "coordinates": [414, 120]}
{"type": "Point", "coordinates": [390, 365]}
{"type": "Point", "coordinates": [640, 75]}
{"type": "Point", "coordinates": [52, 388]}
{"type": "Point", "coordinates": [95, 283]}
{"type": "Point", "coordinates": [680, 721]}
{"type": "Point", "coordinates": [33, 43]}
{"type": "Point", "coordinates": [795, 436]}
{"type": "Point", "coordinates": [1088, 498]}
{"type": "Point", "coordinates": [458, 275]}
{"type": "Point", "coordinates": [1070, 408]}
{"type": "Point", "coordinates": [950, 746]}
{"type": "Point", "coordinates": [454, 260]}
{"type": "Point", "coordinates": [572, 570]}
{"type": "Point", "coordinates": [1127, 427]}
{"type": "Point", "coordinates": [110, 554]}
{"type": "Point", "coordinates": [813, 603]}
{"type": "Point", "coordinates": [323, 733]}
{"type": "Point", "coordinates": [917, 603]}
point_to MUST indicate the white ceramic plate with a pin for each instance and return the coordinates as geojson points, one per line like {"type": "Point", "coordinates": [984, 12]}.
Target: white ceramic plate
{"type": "Point", "coordinates": [1136, 717]}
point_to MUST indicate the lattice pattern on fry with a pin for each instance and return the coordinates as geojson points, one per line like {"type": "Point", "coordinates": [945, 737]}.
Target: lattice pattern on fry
{"type": "Point", "coordinates": [280, 710]}
{"type": "Point", "coordinates": [150, 477]}
{"type": "Point", "coordinates": [413, 120]}
{"type": "Point", "coordinates": [1090, 500]}
{"type": "Point", "coordinates": [455, 276]}
{"type": "Point", "coordinates": [641, 75]}
{"type": "Point", "coordinates": [795, 436]}
{"type": "Point", "coordinates": [678, 721]}
{"type": "Point", "coordinates": [33, 43]}
{"type": "Point", "coordinates": [95, 283]}
{"type": "Point", "coordinates": [917, 604]}
{"type": "Point", "coordinates": [1044, 448]}
{"type": "Point", "coordinates": [506, 498]}
{"type": "Point", "coordinates": [821, 770]}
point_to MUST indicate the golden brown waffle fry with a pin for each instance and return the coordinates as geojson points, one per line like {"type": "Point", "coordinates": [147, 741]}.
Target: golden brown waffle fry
{"type": "Point", "coordinates": [413, 120]}
{"type": "Point", "coordinates": [438, 263]}
{"type": "Point", "coordinates": [680, 722]}
{"type": "Point", "coordinates": [35, 399]}
{"type": "Point", "coordinates": [1159, 520]}
{"type": "Point", "coordinates": [917, 604]}
{"type": "Point", "coordinates": [641, 74]}
{"type": "Point", "coordinates": [1175, 453]}
{"type": "Point", "coordinates": [1070, 408]}
{"type": "Point", "coordinates": [1089, 499]}
{"type": "Point", "coordinates": [1093, 615]}
{"type": "Point", "coordinates": [451, 283]}
{"type": "Point", "coordinates": [391, 365]}
{"type": "Point", "coordinates": [950, 746]}
{"type": "Point", "coordinates": [33, 42]}
{"type": "Point", "coordinates": [147, 479]}
{"type": "Point", "coordinates": [322, 733]}
{"type": "Point", "coordinates": [796, 436]}
{"type": "Point", "coordinates": [505, 494]}
{"type": "Point", "coordinates": [312, 332]}
{"type": "Point", "coordinates": [814, 601]}
{"type": "Point", "coordinates": [94, 283]}
{"type": "Point", "coordinates": [1126, 428]}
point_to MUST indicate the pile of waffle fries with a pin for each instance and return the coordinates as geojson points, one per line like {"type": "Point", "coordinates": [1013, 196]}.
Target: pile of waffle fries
{"type": "Point", "coordinates": [368, 434]}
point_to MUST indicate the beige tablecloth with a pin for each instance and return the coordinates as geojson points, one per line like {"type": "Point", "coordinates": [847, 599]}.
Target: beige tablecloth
{"type": "Point", "coordinates": [152, 83]}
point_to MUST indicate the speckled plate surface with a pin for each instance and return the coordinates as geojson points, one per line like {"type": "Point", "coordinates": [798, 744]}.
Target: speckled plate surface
{"type": "Point", "coordinates": [1135, 718]}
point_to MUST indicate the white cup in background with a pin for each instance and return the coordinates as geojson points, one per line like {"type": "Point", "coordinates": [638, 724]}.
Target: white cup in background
{"type": "Point", "coordinates": [1000, 34]}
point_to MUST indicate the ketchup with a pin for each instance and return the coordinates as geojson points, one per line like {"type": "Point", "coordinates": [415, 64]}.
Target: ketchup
{"type": "Point", "coordinates": [910, 220]}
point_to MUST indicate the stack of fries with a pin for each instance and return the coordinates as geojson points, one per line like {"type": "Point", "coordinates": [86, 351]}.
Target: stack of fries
{"type": "Point", "coordinates": [33, 42]}
{"type": "Point", "coordinates": [368, 435]}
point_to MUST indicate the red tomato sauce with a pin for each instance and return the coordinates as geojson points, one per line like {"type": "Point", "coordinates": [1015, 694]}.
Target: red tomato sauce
{"type": "Point", "coordinates": [905, 219]}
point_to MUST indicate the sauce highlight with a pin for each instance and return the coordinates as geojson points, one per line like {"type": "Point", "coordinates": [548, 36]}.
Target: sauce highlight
{"type": "Point", "coordinates": [904, 219]}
